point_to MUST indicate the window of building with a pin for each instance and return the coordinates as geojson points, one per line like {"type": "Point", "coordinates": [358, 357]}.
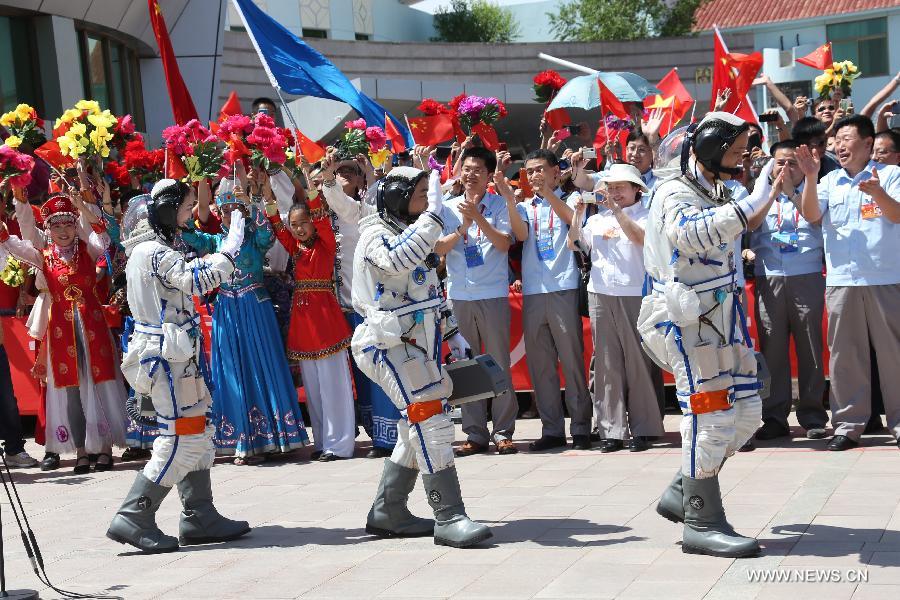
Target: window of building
{"type": "Point", "coordinates": [863, 42]}
{"type": "Point", "coordinates": [315, 33]}
{"type": "Point", "coordinates": [18, 65]}
{"type": "Point", "coordinates": [363, 37]}
{"type": "Point", "coordinates": [111, 75]}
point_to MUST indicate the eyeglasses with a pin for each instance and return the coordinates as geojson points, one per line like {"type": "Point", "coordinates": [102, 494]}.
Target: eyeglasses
{"type": "Point", "coordinates": [825, 107]}
{"type": "Point", "coordinates": [347, 171]}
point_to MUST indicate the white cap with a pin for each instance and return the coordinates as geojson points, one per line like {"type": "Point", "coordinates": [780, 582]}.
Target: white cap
{"type": "Point", "coordinates": [161, 185]}
{"type": "Point", "coordinates": [623, 172]}
{"type": "Point", "coordinates": [727, 117]}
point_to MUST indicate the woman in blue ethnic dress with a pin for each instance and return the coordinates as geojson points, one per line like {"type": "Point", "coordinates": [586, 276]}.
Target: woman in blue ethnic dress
{"type": "Point", "coordinates": [255, 406]}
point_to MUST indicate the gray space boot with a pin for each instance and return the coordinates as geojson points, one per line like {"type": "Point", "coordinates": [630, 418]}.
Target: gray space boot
{"type": "Point", "coordinates": [389, 516]}
{"type": "Point", "coordinates": [135, 523]}
{"type": "Point", "coordinates": [671, 503]}
{"type": "Point", "coordinates": [705, 529]}
{"type": "Point", "coordinates": [200, 522]}
{"type": "Point", "coordinates": [452, 526]}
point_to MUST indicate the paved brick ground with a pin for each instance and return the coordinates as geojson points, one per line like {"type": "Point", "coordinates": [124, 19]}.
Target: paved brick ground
{"type": "Point", "coordinates": [566, 525]}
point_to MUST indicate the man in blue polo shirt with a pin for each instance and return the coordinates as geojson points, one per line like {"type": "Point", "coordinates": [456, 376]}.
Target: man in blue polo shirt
{"type": "Point", "coordinates": [475, 241]}
{"type": "Point", "coordinates": [790, 299]}
{"type": "Point", "coordinates": [550, 320]}
{"type": "Point", "coordinates": [860, 214]}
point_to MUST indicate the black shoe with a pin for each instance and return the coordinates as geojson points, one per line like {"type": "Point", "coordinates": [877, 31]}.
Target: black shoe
{"type": "Point", "coordinates": [107, 465]}
{"type": "Point", "coordinates": [638, 444]}
{"type": "Point", "coordinates": [839, 443]}
{"type": "Point", "coordinates": [748, 446]}
{"type": "Point", "coordinates": [609, 445]}
{"type": "Point", "coordinates": [50, 462]}
{"type": "Point", "coordinates": [874, 425]}
{"type": "Point", "coordinates": [772, 431]}
{"type": "Point", "coordinates": [315, 455]}
{"type": "Point", "coordinates": [82, 465]}
{"type": "Point", "coordinates": [328, 457]}
{"type": "Point", "coordinates": [378, 452]}
{"type": "Point", "coordinates": [547, 442]}
{"type": "Point", "coordinates": [581, 442]}
{"type": "Point", "coordinates": [595, 435]}
{"type": "Point", "coordinates": [816, 433]}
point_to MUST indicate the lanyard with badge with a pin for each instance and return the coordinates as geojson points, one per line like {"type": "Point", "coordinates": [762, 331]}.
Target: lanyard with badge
{"type": "Point", "coordinates": [474, 255]}
{"type": "Point", "coordinates": [544, 243]}
{"type": "Point", "coordinates": [787, 242]}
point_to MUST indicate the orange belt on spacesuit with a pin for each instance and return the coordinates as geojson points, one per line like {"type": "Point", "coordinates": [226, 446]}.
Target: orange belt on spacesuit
{"type": "Point", "coordinates": [707, 402]}
{"type": "Point", "coordinates": [190, 425]}
{"type": "Point", "coordinates": [421, 411]}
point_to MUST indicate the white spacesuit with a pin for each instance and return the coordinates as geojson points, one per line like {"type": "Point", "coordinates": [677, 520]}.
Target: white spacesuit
{"type": "Point", "coordinates": [396, 288]}
{"type": "Point", "coordinates": [165, 362]}
{"type": "Point", "coordinates": [693, 325]}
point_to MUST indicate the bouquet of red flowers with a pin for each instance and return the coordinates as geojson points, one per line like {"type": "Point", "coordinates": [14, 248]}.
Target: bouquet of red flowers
{"type": "Point", "coordinates": [546, 85]}
{"type": "Point", "coordinates": [15, 168]}
{"type": "Point", "coordinates": [431, 107]}
{"type": "Point", "coordinates": [146, 165]}
{"type": "Point", "coordinates": [267, 143]}
{"type": "Point", "coordinates": [196, 147]}
{"type": "Point", "coordinates": [123, 132]}
{"type": "Point", "coordinates": [117, 173]}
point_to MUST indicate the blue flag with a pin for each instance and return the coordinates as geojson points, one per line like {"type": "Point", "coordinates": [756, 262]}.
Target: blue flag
{"type": "Point", "coordinates": [297, 68]}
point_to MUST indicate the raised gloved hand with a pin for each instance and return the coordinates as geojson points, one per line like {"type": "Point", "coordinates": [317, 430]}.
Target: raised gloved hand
{"type": "Point", "coordinates": [759, 197]}
{"type": "Point", "coordinates": [235, 239]}
{"type": "Point", "coordinates": [459, 347]}
{"type": "Point", "coordinates": [435, 197]}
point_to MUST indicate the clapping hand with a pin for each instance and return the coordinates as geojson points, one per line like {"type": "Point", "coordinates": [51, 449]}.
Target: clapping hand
{"type": "Point", "coordinates": [871, 186]}
{"type": "Point", "coordinates": [808, 161]}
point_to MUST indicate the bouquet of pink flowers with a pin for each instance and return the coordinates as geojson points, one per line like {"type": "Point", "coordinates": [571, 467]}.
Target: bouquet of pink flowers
{"type": "Point", "coordinates": [267, 143]}
{"type": "Point", "coordinates": [473, 110]}
{"type": "Point", "coordinates": [359, 138]}
{"type": "Point", "coordinates": [15, 168]}
{"type": "Point", "coordinates": [197, 148]}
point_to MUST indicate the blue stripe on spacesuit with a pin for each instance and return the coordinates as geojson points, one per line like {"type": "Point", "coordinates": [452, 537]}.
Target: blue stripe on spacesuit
{"type": "Point", "coordinates": [406, 399]}
{"type": "Point", "coordinates": [196, 279]}
{"type": "Point", "coordinates": [744, 331]}
{"type": "Point", "coordinates": [165, 468]}
{"type": "Point", "coordinates": [693, 446]}
{"type": "Point", "coordinates": [687, 362]}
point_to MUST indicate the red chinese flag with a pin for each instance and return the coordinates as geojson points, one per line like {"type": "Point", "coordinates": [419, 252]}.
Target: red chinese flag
{"type": "Point", "coordinates": [52, 155]}
{"type": "Point", "coordinates": [609, 103]}
{"type": "Point", "coordinates": [310, 150]}
{"type": "Point", "coordinates": [670, 86]}
{"type": "Point", "coordinates": [182, 105]}
{"type": "Point", "coordinates": [458, 130]}
{"type": "Point", "coordinates": [736, 72]}
{"type": "Point", "coordinates": [488, 136]}
{"type": "Point", "coordinates": [557, 119]}
{"type": "Point", "coordinates": [398, 143]}
{"type": "Point", "coordinates": [174, 167]}
{"type": "Point", "coordinates": [820, 58]}
{"type": "Point", "coordinates": [429, 131]}
{"type": "Point", "coordinates": [232, 106]}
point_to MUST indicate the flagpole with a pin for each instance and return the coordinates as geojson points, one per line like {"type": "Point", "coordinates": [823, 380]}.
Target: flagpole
{"type": "Point", "coordinates": [284, 106]}
{"type": "Point", "coordinates": [409, 127]}
{"type": "Point", "coordinates": [567, 64]}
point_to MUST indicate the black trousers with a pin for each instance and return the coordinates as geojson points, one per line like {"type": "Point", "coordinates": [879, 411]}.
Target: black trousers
{"type": "Point", "coordinates": [10, 423]}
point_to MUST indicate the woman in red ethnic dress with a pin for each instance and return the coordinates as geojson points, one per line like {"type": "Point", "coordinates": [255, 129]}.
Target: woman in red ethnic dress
{"type": "Point", "coordinates": [85, 398]}
{"type": "Point", "coordinates": [319, 335]}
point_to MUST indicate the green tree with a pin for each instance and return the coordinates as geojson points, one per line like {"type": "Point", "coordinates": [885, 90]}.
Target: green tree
{"type": "Point", "coordinates": [596, 20]}
{"type": "Point", "coordinates": [475, 21]}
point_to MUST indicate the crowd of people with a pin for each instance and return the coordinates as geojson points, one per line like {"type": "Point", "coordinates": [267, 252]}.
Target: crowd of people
{"type": "Point", "coordinates": [568, 234]}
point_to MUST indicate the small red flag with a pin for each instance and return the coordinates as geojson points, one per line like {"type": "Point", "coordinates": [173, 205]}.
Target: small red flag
{"type": "Point", "coordinates": [182, 106]}
{"type": "Point", "coordinates": [429, 131]}
{"type": "Point", "coordinates": [232, 106]}
{"type": "Point", "coordinates": [674, 111]}
{"type": "Point", "coordinates": [820, 58]}
{"type": "Point", "coordinates": [310, 150]}
{"type": "Point", "coordinates": [52, 155]}
{"type": "Point", "coordinates": [609, 103]}
{"type": "Point", "coordinates": [174, 167]}
{"type": "Point", "coordinates": [557, 119]}
{"type": "Point", "coordinates": [398, 143]}
{"type": "Point", "coordinates": [734, 71]}
{"type": "Point", "coordinates": [488, 136]}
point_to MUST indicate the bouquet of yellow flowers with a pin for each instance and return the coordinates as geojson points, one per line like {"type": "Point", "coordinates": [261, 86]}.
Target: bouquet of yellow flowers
{"type": "Point", "coordinates": [85, 130]}
{"type": "Point", "coordinates": [839, 76]}
{"type": "Point", "coordinates": [13, 274]}
{"type": "Point", "coordinates": [24, 127]}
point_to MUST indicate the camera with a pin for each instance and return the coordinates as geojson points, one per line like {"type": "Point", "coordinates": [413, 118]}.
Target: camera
{"type": "Point", "coordinates": [589, 197]}
{"type": "Point", "coordinates": [590, 153]}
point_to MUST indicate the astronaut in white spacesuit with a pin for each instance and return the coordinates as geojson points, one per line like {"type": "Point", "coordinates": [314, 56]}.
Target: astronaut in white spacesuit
{"type": "Point", "coordinates": [396, 288]}
{"type": "Point", "coordinates": [165, 362]}
{"type": "Point", "coordinates": [692, 324]}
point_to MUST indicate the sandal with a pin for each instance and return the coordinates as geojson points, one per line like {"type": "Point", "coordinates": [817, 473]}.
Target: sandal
{"type": "Point", "coordinates": [82, 469]}
{"type": "Point", "coordinates": [106, 465]}
{"type": "Point", "coordinates": [249, 460]}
